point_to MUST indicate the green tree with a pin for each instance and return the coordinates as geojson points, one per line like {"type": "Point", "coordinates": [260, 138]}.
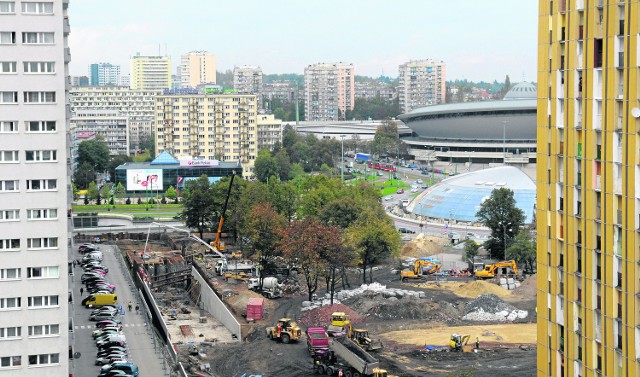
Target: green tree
{"type": "Point", "coordinates": [171, 193]}
{"type": "Point", "coordinates": [471, 249]}
{"type": "Point", "coordinates": [114, 163]}
{"type": "Point", "coordinates": [147, 144]}
{"type": "Point", "coordinates": [96, 153]}
{"type": "Point", "coordinates": [340, 212]}
{"type": "Point", "coordinates": [105, 193]}
{"type": "Point", "coordinates": [523, 250]}
{"type": "Point", "coordinates": [74, 188]}
{"type": "Point", "coordinates": [84, 175]}
{"type": "Point", "coordinates": [500, 214]}
{"type": "Point", "coordinates": [385, 139]}
{"type": "Point", "coordinates": [284, 164]}
{"type": "Point", "coordinates": [266, 166]}
{"type": "Point", "coordinates": [120, 191]}
{"type": "Point", "coordinates": [92, 191]}
{"type": "Point", "coordinates": [198, 204]}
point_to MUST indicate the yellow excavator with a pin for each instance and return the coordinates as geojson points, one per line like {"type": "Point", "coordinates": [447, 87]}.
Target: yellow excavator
{"type": "Point", "coordinates": [421, 267]}
{"type": "Point", "coordinates": [501, 268]}
{"type": "Point", "coordinates": [458, 342]}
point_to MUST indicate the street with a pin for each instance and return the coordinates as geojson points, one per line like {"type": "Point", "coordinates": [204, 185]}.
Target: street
{"type": "Point", "coordinates": [141, 346]}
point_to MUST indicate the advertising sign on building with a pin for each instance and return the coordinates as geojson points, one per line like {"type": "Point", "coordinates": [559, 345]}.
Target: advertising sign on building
{"type": "Point", "coordinates": [144, 179]}
{"type": "Point", "coordinates": [198, 163]}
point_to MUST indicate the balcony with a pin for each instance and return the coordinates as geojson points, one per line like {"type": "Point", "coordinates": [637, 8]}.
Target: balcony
{"type": "Point", "coordinates": [580, 31]}
{"type": "Point", "coordinates": [66, 28]}
{"type": "Point", "coordinates": [598, 183]}
{"type": "Point", "coordinates": [67, 55]}
{"type": "Point", "coordinates": [620, 60]}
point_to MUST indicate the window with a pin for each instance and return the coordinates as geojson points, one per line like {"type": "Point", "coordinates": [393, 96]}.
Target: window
{"type": "Point", "coordinates": [40, 126]}
{"type": "Point", "coordinates": [9, 215]}
{"type": "Point", "coordinates": [10, 274]}
{"type": "Point", "coordinates": [8, 67]}
{"type": "Point", "coordinates": [37, 8]}
{"type": "Point", "coordinates": [42, 243]}
{"type": "Point", "coordinates": [10, 244]}
{"type": "Point", "coordinates": [39, 67]}
{"type": "Point", "coordinates": [7, 37]}
{"type": "Point", "coordinates": [7, 7]}
{"type": "Point", "coordinates": [10, 303]}
{"type": "Point", "coordinates": [47, 155]}
{"type": "Point", "coordinates": [37, 37]}
{"type": "Point", "coordinates": [49, 272]}
{"type": "Point", "coordinates": [44, 330]}
{"type": "Point", "coordinates": [42, 214]}
{"type": "Point", "coordinates": [9, 186]}
{"type": "Point", "coordinates": [10, 361]}
{"type": "Point", "coordinates": [8, 97]}
{"type": "Point", "coordinates": [9, 156]}
{"type": "Point", "coordinates": [44, 359]}
{"type": "Point", "coordinates": [8, 127]}
{"type": "Point", "coordinates": [39, 97]}
{"type": "Point", "coordinates": [7, 333]}
{"type": "Point", "coordinates": [41, 184]}
{"type": "Point", "coordinates": [42, 301]}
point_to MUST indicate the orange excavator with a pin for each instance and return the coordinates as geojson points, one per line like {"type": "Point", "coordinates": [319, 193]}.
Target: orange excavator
{"type": "Point", "coordinates": [420, 267]}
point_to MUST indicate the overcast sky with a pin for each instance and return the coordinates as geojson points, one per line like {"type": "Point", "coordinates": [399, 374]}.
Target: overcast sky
{"type": "Point", "coordinates": [477, 40]}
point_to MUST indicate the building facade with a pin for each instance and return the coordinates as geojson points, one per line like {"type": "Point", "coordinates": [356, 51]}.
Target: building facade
{"type": "Point", "coordinates": [104, 74]}
{"type": "Point", "coordinates": [374, 89]}
{"type": "Point", "coordinates": [150, 72]}
{"type": "Point", "coordinates": [422, 83]}
{"type": "Point", "coordinates": [196, 68]}
{"type": "Point", "coordinates": [136, 105]}
{"type": "Point", "coordinates": [111, 125]}
{"type": "Point", "coordinates": [34, 194]}
{"type": "Point", "coordinates": [329, 91]}
{"type": "Point", "coordinates": [588, 200]}
{"type": "Point", "coordinates": [248, 80]}
{"type": "Point", "coordinates": [220, 127]}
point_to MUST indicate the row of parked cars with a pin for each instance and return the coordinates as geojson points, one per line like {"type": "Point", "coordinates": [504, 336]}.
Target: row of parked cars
{"type": "Point", "coordinates": [110, 340]}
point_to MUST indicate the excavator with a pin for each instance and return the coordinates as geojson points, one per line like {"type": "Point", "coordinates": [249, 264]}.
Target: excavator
{"type": "Point", "coordinates": [458, 342]}
{"type": "Point", "coordinates": [421, 267]}
{"type": "Point", "coordinates": [489, 270]}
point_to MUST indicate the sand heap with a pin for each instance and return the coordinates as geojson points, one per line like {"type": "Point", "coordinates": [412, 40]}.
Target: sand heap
{"type": "Point", "coordinates": [423, 246]}
{"type": "Point", "coordinates": [480, 287]}
{"type": "Point", "coordinates": [528, 289]}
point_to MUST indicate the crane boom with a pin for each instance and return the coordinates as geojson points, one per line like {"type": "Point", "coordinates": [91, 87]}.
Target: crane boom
{"type": "Point", "coordinates": [216, 243]}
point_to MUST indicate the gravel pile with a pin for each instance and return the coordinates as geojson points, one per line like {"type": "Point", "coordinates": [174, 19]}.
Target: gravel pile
{"type": "Point", "coordinates": [528, 288]}
{"type": "Point", "coordinates": [490, 308]}
{"type": "Point", "coordinates": [321, 316]}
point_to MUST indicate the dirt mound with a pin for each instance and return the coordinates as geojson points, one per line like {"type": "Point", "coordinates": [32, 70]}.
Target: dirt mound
{"type": "Point", "coordinates": [320, 317]}
{"type": "Point", "coordinates": [423, 246]}
{"type": "Point", "coordinates": [425, 310]}
{"type": "Point", "coordinates": [528, 289]}
{"type": "Point", "coordinates": [480, 287]}
{"type": "Point", "coordinates": [238, 302]}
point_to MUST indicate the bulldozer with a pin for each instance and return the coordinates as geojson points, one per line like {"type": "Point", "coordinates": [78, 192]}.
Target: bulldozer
{"type": "Point", "coordinates": [502, 268]}
{"type": "Point", "coordinates": [340, 323]}
{"type": "Point", "coordinates": [361, 337]}
{"type": "Point", "coordinates": [421, 267]}
{"type": "Point", "coordinates": [459, 343]}
{"type": "Point", "coordinates": [285, 330]}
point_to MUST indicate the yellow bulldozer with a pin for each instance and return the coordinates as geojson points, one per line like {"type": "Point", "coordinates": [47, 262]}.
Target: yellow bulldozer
{"type": "Point", "coordinates": [285, 331]}
{"type": "Point", "coordinates": [361, 337]}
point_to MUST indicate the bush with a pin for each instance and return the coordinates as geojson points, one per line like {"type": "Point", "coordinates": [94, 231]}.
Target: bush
{"type": "Point", "coordinates": [139, 200]}
{"type": "Point", "coordinates": [163, 200]}
{"type": "Point", "coordinates": [111, 201]}
{"type": "Point", "coordinates": [152, 201]}
{"type": "Point", "coordinates": [175, 201]}
{"type": "Point", "coordinates": [128, 201]}
{"type": "Point", "coordinates": [86, 201]}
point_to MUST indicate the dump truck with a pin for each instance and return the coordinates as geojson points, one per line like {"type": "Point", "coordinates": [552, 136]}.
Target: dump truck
{"type": "Point", "coordinates": [317, 341]}
{"type": "Point", "coordinates": [285, 331]}
{"type": "Point", "coordinates": [347, 356]}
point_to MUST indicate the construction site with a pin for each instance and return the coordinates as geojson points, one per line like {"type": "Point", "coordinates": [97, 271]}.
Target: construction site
{"type": "Point", "coordinates": [438, 325]}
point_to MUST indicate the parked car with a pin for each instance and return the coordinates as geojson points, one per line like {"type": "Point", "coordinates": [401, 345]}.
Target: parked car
{"type": "Point", "coordinates": [419, 181]}
{"type": "Point", "coordinates": [107, 322]}
{"type": "Point", "coordinates": [109, 350]}
{"type": "Point", "coordinates": [102, 316]}
{"type": "Point", "coordinates": [111, 358]}
{"type": "Point", "coordinates": [400, 191]}
{"type": "Point", "coordinates": [115, 373]}
{"type": "Point", "coordinates": [406, 230]}
{"type": "Point", "coordinates": [414, 190]}
{"type": "Point", "coordinates": [129, 368]}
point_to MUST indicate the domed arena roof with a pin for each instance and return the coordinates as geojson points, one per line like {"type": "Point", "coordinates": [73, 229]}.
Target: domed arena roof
{"type": "Point", "coordinates": [460, 197]}
{"type": "Point", "coordinates": [523, 90]}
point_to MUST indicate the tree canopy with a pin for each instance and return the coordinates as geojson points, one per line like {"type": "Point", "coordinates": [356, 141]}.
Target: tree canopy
{"type": "Point", "coordinates": [95, 153]}
{"type": "Point", "coordinates": [198, 204]}
{"type": "Point", "coordinates": [500, 214]}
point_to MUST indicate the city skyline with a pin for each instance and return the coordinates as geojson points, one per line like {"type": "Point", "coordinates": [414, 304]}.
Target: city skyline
{"type": "Point", "coordinates": [479, 41]}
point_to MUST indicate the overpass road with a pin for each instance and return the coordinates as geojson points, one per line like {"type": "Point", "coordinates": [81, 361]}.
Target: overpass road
{"type": "Point", "coordinates": [142, 347]}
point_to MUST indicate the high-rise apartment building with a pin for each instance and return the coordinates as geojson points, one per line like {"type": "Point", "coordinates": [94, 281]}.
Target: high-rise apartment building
{"type": "Point", "coordinates": [222, 127]}
{"type": "Point", "coordinates": [34, 189]}
{"type": "Point", "coordinates": [422, 83]}
{"type": "Point", "coordinates": [136, 105]}
{"type": "Point", "coordinates": [150, 72]}
{"type": "Point", "coordinates": [248, 80]}
{"type": "Point", "coordinates": [197, 68]}
{"type": "Point", "coordinates": [588, 199]}
{"type": "Point", "coordinates": [111, 125]}
{"type": "Point", "coordinates": [329, 91]}
{"type": "Point", "coordinates": [104, 74]}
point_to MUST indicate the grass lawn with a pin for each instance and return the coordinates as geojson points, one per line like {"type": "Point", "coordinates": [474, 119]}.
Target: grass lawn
{"type": "Point", "coordinates": [135, 210]}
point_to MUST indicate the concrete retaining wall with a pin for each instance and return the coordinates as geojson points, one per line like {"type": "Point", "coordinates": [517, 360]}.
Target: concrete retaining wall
{"type": "Point", "coordinates": [214, 306]}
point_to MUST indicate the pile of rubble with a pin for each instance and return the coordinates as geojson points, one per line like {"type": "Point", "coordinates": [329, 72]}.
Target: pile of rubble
{"type": "Point", "coordinates": [321, 316]}
{"type": "Point", "coordinates": [490, 308]}
{"type": "Point", "coordinates": [424, 246]}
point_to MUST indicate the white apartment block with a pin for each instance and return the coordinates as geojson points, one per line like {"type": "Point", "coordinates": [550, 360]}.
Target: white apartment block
{"type": "Point", "coordinates": [269, 131]}
{"type": "Point", "coordinates": [102, 74]}
{"type": "Point", "coordinates": [197, 68]}
{"type": "Point", "coordinates": [248, 80]}
{"type": "Point", "coordinates": [34, 189]}
{"type": "Point", "coordinates": [282, 90]}
{"type": "Point", "coordinates": [329, 91]}
{"type": "Point", "coordinates": [112, 125]}
{"type": "Point", "coordinates": [150, 72]}
{"type": "Point", "coordinates": [422, 83]}
{"type": "Point", "coordinates": [136, 105]}
{"type": "Point", "coordinates": [222, 127]}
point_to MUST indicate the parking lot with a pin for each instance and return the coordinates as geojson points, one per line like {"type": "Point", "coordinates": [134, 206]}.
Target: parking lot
{"type": "Point", "coordinates": [142, 348]}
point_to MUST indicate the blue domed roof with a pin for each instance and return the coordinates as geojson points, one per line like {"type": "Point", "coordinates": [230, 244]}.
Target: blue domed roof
{"type": "Point", "coordinates": [460, 197]}
{"type": "Point", "coordinates": [523, 90]}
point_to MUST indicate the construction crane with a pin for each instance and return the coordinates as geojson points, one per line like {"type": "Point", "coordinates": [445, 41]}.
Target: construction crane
{"type": "Point", "coordinates": [217, 244]}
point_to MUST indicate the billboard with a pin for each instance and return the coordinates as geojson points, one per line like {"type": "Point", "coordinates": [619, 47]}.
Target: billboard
{"type": "Point", "coordinates": [144, 179]}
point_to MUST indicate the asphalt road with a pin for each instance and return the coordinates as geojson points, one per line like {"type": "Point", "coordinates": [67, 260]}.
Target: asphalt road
{"type": "Point", "coordinates": [140, 344]}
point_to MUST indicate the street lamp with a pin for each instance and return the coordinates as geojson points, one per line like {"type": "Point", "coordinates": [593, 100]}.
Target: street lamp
{"type": "Point", "coordinates": [342, 158]}
{"type": "Point", "coordinates": [504, 237]}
